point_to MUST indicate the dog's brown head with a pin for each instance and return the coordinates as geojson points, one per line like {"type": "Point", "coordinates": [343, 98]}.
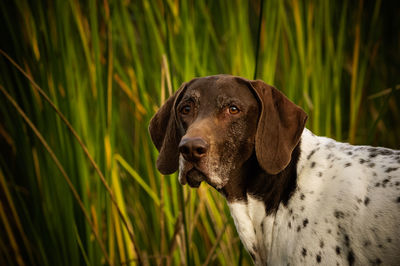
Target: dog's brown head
{"type": "Point", "coordinates": [212, 125]}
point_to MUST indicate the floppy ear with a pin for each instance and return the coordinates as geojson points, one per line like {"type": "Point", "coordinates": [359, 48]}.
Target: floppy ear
{"type": "Point", "coordinates": [166, 135]}
{"type": "Point", "coordinates": [279, 128]}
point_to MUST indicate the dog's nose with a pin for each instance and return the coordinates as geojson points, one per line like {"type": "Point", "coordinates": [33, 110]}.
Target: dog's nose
{"type": "Point", "coordinates": [192, 149]}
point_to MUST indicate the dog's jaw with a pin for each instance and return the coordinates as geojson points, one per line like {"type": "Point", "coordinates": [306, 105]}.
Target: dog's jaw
{"type": "Point", "coordinates": [189, 174]}
{"type": "Point", "coordinates": [209, 175]}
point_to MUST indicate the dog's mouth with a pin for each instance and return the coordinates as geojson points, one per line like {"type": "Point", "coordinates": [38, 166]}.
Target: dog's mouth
{"type": "Point", "coordinates": [194, 173]}
{"type": "Point", "coordinates": [191, 174]}
{"type": "Point", "coordinates": [194, 178]}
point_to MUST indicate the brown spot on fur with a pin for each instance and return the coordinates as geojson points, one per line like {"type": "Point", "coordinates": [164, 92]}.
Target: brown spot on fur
{"type": "Point", "coordinates": [390, 169]}
{"type": "Point", "coordinates": [305, 222]}
{"type": "Point", "coordinates": [338, 214]}
{"type": "Point", "coordinates": [350, 258]}
{"type": "Point", "coordinates": [337, 250]}
{"type": "Point", "coordinates": [366, 201]}
{"type": "Point", "coordinates": [312, 153]}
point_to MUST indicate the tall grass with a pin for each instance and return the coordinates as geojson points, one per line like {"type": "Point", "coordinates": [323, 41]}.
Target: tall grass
{"type": "Point", "coordinates": [78, 183]}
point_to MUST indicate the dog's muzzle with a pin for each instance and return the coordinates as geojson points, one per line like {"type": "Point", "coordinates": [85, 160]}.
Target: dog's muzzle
{"type": "Point", "coordinates": [194, 178]}
{"type": "Point", "coordinates": [193, 148]}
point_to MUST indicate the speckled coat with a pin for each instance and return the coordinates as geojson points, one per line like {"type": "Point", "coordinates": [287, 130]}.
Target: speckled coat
{"type": "Point", "coordinates": [344, 211]}
{"type": "Point", "coordinates": [295, 198]}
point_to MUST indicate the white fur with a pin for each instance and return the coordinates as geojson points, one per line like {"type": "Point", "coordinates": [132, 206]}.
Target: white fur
{"type": "Point", "coordinates": [338, 214]}
{"type": "Point", "coordinates": [182, 171]}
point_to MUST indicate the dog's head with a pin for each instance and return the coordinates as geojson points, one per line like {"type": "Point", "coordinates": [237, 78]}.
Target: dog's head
{"type": "Point", "coordinates": [212, 125]}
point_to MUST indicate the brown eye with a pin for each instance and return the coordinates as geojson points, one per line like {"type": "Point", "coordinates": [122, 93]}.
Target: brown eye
{"type": "Point", "coordinates": [186, 109]}
{"type": "Point", "coordinates": [233, 110]}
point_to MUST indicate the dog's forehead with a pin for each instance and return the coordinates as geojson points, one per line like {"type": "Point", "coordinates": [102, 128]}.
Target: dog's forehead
{"type": "Point", "coordinates": [214, 87]}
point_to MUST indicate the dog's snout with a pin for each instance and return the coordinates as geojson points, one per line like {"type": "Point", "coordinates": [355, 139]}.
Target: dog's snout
{"type": "Point", "coordinates": [192, 149]}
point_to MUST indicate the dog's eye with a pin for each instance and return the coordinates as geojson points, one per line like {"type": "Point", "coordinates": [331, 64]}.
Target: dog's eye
{"type": "Point", "coordinates": [186, 109]}
{"type": "Point", "coordinates": [233, 110]}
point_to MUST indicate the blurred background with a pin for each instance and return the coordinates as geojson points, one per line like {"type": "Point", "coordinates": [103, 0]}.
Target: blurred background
{"type": "Point", "coordinates": [80, 80]}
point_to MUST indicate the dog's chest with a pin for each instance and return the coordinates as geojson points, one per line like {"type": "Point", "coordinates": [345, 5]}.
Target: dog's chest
{"type": "Point", "coordinates": [344, 209]}
{"type": "Point", "coordinates": [254, 227]}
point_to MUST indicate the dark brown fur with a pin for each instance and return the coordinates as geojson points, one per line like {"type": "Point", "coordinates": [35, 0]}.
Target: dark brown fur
{"type": "Point", "coordinates": [262, 140]}
{"type": "Point", "coordinates": [271, 189]}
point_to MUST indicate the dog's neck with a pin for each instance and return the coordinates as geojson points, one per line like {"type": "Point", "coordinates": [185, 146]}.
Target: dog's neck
{"type": "Point", "coordinates": [252, 180]}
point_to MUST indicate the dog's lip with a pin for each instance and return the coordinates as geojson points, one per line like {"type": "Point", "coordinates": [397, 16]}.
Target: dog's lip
{"type": "Point", "coordinates": [182, 180]}
{"type": "Point", "coordinates": [191, 169]}
{"type": "Point", "coordinates": [193, 182]}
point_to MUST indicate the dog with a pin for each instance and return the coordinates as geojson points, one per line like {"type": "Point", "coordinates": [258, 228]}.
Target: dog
{"type": "Point", "coordinates": [295, 198]}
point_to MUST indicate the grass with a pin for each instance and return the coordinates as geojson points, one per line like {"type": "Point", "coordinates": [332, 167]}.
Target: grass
{"type": "Point", "coordinates": [78, 183]}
